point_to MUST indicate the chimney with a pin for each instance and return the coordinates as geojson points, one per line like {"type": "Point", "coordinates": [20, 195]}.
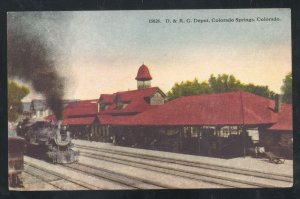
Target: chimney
{"type": "Point", "coordinates": [278, 103]}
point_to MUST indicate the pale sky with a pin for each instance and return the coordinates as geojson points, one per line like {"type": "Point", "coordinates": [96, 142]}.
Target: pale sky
{"type": "Point", "coordinates": [101, 51]}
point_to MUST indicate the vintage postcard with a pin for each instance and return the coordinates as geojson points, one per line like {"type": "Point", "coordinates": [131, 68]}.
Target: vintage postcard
{"type": "Point", "coordinates": [164, 99]}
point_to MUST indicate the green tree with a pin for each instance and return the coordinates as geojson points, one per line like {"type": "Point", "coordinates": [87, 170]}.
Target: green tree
{"type": "Point", "coordinates": [259, 90]}
{"type": "Point", "coordinates": [224, 83]}
{"type": "Point", "coordinates": [286, 88]}
{"type": "Point", "coordinates": [217, 84]}
{"type": "Point", "coordinates": [188, 88]}
{"type": "Point", "coordinates": [16, 93]}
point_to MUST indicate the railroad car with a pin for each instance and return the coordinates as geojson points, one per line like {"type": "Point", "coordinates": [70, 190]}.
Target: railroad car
{"type": "Point", "coordinates": [15, 160]}
{"type": "Point", "coordinates": [49, 140]}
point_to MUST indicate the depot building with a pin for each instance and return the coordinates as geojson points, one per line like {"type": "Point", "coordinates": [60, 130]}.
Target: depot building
{"type": "Point", "coordinates": [220, 125]}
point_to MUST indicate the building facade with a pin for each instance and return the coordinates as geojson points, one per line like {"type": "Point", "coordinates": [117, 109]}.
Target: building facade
{"type": "Point", "coordinates": [220, 124]}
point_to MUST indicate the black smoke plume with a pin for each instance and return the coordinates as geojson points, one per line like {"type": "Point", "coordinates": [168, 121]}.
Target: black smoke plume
{"type": "Point", "coordinates": [31, 60]}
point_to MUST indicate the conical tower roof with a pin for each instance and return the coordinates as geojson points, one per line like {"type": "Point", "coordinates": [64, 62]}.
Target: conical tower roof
{"type": "Point", "coordinates": [143, 73]}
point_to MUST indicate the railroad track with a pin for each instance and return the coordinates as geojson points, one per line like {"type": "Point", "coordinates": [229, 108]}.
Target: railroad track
{"type": "Point", "coordinates": [51, 177]}
{"type": "Point", "coordinates": [42, 179]}
{"type": "Point", "coordinates": [121, 179]}
{"type": "Point", "coordinates": [156, 164]}
{"type": "Point", "coordinates": [113, 180]}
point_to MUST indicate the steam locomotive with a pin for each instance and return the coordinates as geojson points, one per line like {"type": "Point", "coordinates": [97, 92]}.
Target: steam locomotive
{"type": "Point", "coordinates": [47, 139]}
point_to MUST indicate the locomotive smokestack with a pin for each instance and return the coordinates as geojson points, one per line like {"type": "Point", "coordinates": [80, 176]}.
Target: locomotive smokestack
{"type": "Point", "coordinates": [32, 60]}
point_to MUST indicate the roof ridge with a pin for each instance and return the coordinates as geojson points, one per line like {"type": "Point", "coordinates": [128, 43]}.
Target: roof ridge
{"type": "Point", "coordinates": [209, 94]}
{"type": "Point", "coordinates": [86, 100]}
{"type": "Point", "coordinates": [106, 94]}
{"type": "Point", "coordinates": [136, 90]}
{"type": "Point", "coordinates": [223, 93]}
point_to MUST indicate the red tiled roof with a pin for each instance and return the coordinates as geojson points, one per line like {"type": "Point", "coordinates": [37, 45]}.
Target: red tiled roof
{"type": "Point", "coordinates": [143, 73]}
{"type": "Point", "coordinates": [135, 100]}
{"type": "Point", "coordinates": [233, 108]}
{"type": "Point", "coordinates": [285, 119]}
{"type": "Point", "coordinates": [81, 108]}
{"type": "Point", "coordinates": [113, 120]}
{"type": "Point", "coordinates": [257, 109]}
{"type": "Point", "coordinates": [79, 121]}
{"type": "Point", "coordinates": [108, 98]}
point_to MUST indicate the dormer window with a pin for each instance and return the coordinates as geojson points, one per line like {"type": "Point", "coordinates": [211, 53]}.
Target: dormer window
{"type": "Point", "coordinates": [157, 99]}
{"type": "Point", "coordinates": [124, 105]}
{"type": "Point", "coordinates": [102, 106]}
{"type": "Point", "coordinates": [119, 105]}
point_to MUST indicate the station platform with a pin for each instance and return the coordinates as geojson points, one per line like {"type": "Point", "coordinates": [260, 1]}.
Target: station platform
{"type": "Point", "coordinates": [247, 163]}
